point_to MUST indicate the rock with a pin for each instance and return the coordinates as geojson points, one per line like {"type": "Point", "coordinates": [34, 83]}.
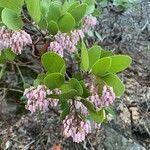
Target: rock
{"type": "Point", "coordinates": [115, 141]}
{"type": "Point", "coordinates": [8, 145]}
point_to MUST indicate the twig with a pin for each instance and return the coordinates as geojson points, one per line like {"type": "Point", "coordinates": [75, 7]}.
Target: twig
{"type": "Point", "coordinates": [20, 73]}
{"type": "Point", "coordinates": [16, 90]}
{"type": "Point", "coordinates": [2, 71]}
{"type": "Point", "coordinates": [28, 145]}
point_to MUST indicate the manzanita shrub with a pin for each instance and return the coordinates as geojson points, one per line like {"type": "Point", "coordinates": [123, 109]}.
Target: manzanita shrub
{"type": "Point", "coordinates": [80, 80]}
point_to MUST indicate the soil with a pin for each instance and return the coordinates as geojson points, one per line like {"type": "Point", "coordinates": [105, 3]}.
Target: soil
{"type": "Point", "coordinates": [129, 130]}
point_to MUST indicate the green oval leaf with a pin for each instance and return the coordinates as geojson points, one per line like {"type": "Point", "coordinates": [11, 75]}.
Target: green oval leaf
{"type": "Point", "coordinates": [94, 54]}
{"type": "Point", "coordinates": [102, 66]}
{"type": "Point", "coordinates": [86, 92]}
{"type": "Point", "coordinates": [119, 63]}
{"type": "Point", "coordinates": [54, 12]}
{"type": "Point", "coordinates": [75, 84]}
{"type": "Point", "coordinates": [90, 6]}
{"type": "Point", "coordinates": [73, 6]}
{"type": "Point", "coordinates": [97, 116]}
{"type": "Point", "coordinates": [44, 4]}
{"type": "Point", "coordinates": [79, 12]}
{"type": "Point", "coordinates": [84, 58]}
{"type": "Point", "coordinates": [34, 9]}
{"type": "Point", "coordinates": [52, 62]}
{"type": "Point", "coordinates": [114, 81]}
{"type": "Point", "coordinates": [11, 19]}
{"type": "Point", "coordinates": [54, 80]}
{"type": "Point", "coordinates": [64, 113]}
{"type": "Point", "coordinates": [14, 5]}
{"type": "Point", "coordinates": [53, 27]}
{"type": "Point", "coordinates": [10, 55]}
{"type": "Point", "coordinates": [2, 58]}
{"type": "Point", "coordinates": [66, 23]}
{"type": "Point", "coordinates": [68, 95]}
{"type": "Point", "coordinates": [106, 53]}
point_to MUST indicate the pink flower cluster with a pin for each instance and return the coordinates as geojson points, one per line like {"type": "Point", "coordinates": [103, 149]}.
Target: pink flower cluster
{"type": "Point", "coordinates": [107, 98]}
{"type": "Point", "coordinates": [76, 127]}
{"type": "Point", "coordinates": [36, 98]}
{"type": "Point", "coordinates": [19, 40]}
{"type": "Point", "coordinates": [66, 41]}
{"type": "Point", "coordinates": [53, 102]}
{"type": "Point", "coordinates": [81, 108]}
{"type": "Point", "coordinates": [89, 23]}
{"type": "Point", "coordinates": [5, 38]}
{"type": "Point", "coordinates": [15, 40]}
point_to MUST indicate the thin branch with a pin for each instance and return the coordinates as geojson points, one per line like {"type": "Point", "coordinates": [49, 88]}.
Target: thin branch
{"type": "Point", "coordinates": [20, 73]}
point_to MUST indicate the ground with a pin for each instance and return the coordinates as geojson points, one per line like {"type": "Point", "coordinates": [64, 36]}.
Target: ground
{"type": "Point", "coordinates": [129, 130]}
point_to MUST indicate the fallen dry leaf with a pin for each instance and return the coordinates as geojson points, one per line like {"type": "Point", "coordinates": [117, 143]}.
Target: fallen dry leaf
{"type": "Point", "coordinates": [56, 147]}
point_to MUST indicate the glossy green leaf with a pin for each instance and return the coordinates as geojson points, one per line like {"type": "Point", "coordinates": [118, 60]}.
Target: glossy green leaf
{"type": "Point", "coordinates": [90, 6]}
{"type": "Point", "coordinates": [69, 94]}
{"type": "Point", "coordinates": [73, 6]}
{"type": "Point", "coordinates": [44, 4]}
{"type": "Point", "coordinates": [66, 23]}
{"type": "Point", "coordinates": [2, 58]}
{"type": "Point", "coordinates": [79, 12]}
{"type": "Point", "coordinates": [40, 79]}
{"type": "Point", "coordinates": [63, 104]}
{"type": "Point", "coordinates": [102, 66]}
{"type": "Point", "coordinates": [75, 84]}
{"type": "Point", "coordinates": [36, 82]}
{"type": "Point", "coordinates": [52, 62]}
{"type": "Point", "coordinates": [119, 63]}
{"type": "Point", "coordinates": [9, 55]}
{"type": "Point", "coordinates": [34, 9]}
{"type": "Point", "coordinates": [14, 5]}
{"type": "Point", "coordinates": [65, 87]}
{"type": "Point", "coordinates": [94, 54]}
{"type": "Point", "coordinates": [101, 116]}
{"type": "Point", "coordinates": [54, 80]}
{"type": "Point", "coordinates": [114, 81]}
{"type": "Point", "coordinates": [77, 75]}
{"type": "Point", "coordinates": [11, 19]}
{"type": "Point", "coordinates": [110, 111]}
{"type": "Point", "coordinates": [106, 53]}
{"type": "Point", "coordinates": [1, 8]}
{"type": "Point", "coordinates": [97, 116]}
{"type": "Point", "coordinates": [96, 13]}
{"type": "Point", "coordinates": [84, 58]}
{"type": "Point", "coordinates": [86, 92]}
{"type": "Point", "coordinates": [89, 106]}
{"type": "Point", "coordinates": [65, 107]}
{"type": "Point", "coordinates": [53, 27]}
{"type": "Point", "coordinates": [43, 23]}
{"type": "Point", "coordinates": [54, 12]}
{"type": "Point", "coordinates": [41, 76]}
{"type": "Point", "coordinates": [64, 113]}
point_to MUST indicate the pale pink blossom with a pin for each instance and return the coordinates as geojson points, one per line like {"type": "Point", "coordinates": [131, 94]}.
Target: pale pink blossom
{"type": "Point", "coordinates": [81, 108]}
{"type": "Point", "coordinates": [36, 98]}
{"type": "Point", "coordinates": [53, 102]}
{"type": "Point", "coordinates": [106, 99]}
{"type": "Point", "coordinates": [89, 23]}
{"type": "Point", "coordinates": [19, 40]}
{"type": "Point", "coordinates": [15, 40]}
{"type": "Point", "coordinates": [76, 127]}
{"type": "Point", "coordinates": [56, 47]}
{"type": "Point", "coordinates": [5, 37]}
{"type": "Point", "coordinates": [66, 41]}
{"type": "Point", "coordinates": [108, 96]}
